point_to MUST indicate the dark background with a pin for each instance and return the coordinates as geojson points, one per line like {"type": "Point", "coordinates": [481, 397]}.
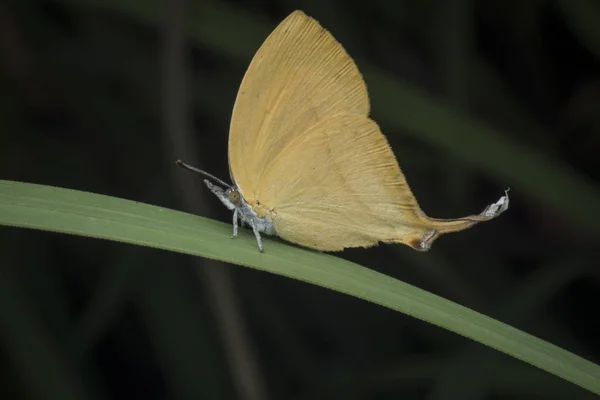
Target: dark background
{"type": "Point", "coordinates": [104, 95]}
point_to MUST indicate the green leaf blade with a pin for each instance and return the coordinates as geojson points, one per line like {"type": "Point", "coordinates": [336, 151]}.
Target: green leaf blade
{"type": "Point", "coordinates": [68, 211]}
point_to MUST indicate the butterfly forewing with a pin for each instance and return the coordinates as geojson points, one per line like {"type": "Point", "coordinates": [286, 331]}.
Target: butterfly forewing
{"type": "Point", "coordinates": [299, 76]}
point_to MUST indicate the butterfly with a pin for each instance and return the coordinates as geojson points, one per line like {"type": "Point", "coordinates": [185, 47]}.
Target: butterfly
{"type": "Point", "coordinates": [306, 161]}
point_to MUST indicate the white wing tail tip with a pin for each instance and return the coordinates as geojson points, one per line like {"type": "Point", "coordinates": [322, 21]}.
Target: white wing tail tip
{"type": "Point", "coordinates": [493, 210]}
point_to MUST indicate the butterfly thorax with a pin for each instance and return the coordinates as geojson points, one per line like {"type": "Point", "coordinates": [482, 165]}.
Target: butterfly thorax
{"type": "Point", "coordinates": [260, 209]}
{"type": "Point", "coordinates": [252, 213]}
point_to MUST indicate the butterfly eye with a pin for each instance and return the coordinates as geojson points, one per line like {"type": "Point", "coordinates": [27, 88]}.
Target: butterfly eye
{"type": "Point", "coordinates": [234, 196]}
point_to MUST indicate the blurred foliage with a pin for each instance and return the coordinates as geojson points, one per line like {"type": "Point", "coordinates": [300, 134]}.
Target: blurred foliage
{"type": "Point", "coordinates": [473, 97]}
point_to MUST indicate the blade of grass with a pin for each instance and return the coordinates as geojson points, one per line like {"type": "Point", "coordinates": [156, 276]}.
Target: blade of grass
{"type": "Point", "coordinates": [69, 211]}
{"type": "Point", "coordinates": [475, 366]}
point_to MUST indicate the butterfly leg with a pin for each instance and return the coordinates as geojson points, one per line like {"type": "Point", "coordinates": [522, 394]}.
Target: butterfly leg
{"type": "Point", "coordinates": [258, 239]}
{"type": "Point", "coordinates": [235, 223]}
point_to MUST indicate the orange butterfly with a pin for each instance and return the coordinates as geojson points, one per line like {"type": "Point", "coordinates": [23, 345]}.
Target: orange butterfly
{"type": "Point", "coordinates": [307, 162]}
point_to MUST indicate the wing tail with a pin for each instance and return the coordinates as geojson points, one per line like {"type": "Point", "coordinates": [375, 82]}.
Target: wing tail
{"type": "Point", "coordinates": [432, 228]}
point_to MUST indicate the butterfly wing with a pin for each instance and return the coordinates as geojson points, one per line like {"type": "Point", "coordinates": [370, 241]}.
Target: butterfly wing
{"type": "Point", "coordinates": [302, 144]}
{"type": "Point", "coordinates": [299, 76]}
{"type": "Point", "coordinates": [340, 186]}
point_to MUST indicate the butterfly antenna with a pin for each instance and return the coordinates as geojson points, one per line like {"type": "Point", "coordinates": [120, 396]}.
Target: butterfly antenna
{"type": "Point", "coordinates": [214, 178]}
